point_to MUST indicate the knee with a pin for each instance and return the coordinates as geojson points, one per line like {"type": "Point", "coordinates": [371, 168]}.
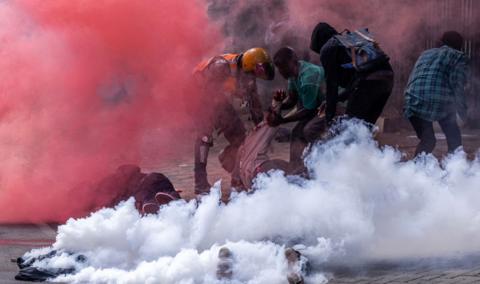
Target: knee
{"type": "Point", "coordinates": [235, 135]}
{"type": "Point", "coordinates": [311, 135]}
{"type": "Point", "coordinates": [236, 139]}
{"type": "Point", "coordinates": [297, 132]}
{"type": "Point", "coordinates": [203, 140]}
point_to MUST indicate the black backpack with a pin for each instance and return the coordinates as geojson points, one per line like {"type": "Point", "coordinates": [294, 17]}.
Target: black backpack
{"type": "Point", "coordinates": [362, 48]}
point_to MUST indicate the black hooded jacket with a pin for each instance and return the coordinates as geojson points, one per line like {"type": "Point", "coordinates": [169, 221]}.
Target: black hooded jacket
{"type": "Point", "coordinates": [332, 56]}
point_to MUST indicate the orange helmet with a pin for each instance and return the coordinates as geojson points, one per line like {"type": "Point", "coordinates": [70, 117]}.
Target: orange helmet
{"type": "Point", "coordinates": [257, 61]}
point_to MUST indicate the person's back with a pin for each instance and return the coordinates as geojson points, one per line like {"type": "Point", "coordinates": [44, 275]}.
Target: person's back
{"type": "Point", "coordinates": [435, 92]}
{"type": "Point", "coordinates": [254, 152]}
{"type": "Point", "coordinates": [309, 75]}
{"type": "Point", "coordinates": [434, 82]}
{"type": "Point", "coordinates": [253, 158]}
{"type": "Point", "coordinates": [333, 55]}
{"type": "Point", "coordinates": [368, 91]}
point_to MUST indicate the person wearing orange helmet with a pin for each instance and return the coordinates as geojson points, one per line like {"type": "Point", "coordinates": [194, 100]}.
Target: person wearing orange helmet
{"type": "Point", "coordinates": [227, 74]}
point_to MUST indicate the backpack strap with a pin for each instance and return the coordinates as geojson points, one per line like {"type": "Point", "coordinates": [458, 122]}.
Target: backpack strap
{"type": "Point", "coordinates": [366, 37]}
{"type": "Point", "coordinates": [354, 57]}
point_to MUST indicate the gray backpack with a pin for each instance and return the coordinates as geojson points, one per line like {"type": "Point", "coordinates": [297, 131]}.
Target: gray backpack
{"type": "Point", "coordinates": [363, 49]}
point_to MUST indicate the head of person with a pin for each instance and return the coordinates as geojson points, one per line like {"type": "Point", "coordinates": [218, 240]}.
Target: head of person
{"type": "Point", "coordinates": [258, 62]}
{"type": "Point", "coordinates": [452, 39]}
{"type": "Point", "coordinates": [286, 61]}
{"type": "Point", "coordinates": [322, 33]}
{"type": "Point", "coordinates": [217, 70]}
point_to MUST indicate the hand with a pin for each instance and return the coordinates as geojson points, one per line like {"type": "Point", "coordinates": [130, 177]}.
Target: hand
{"type": "Point", "coordinates": [274, 119]}
{"type": "Point", "coordinates": [261, 124]}
{"type": "Point", "coordinates": [321, 110]}
{"type": "Point", "coordinates": [279, 95]}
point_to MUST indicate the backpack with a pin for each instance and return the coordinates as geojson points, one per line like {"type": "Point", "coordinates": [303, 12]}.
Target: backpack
{"type": "Point", "coordinates": [362, 48]}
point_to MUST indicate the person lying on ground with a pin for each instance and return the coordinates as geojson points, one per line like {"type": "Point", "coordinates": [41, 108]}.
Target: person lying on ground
{"type": "Point", "coordinates": [252, 157]}
{"type": "Point", "coordinates": [150, 190]}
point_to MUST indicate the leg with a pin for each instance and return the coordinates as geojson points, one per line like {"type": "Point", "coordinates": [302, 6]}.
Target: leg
{"type": "Point", "coordinates": [234, 131]}
{"type": "Point", "coordinates": [452, 132]}
{"type": "Point", "coordinates": [426, 134]}
{"type": "Point", "coordinates": [380, 95]}
{"type": "Point", "coordinates": [202, 148]}
{"type": "Point", "coordinates": [314, 129]}
{"type": "Point", "coordinates": [368, 101]}
{"type": "Point", "coordinates": [297, 144]}
{"type": "Point", "coordinates": [359, 103]}
{"type": "Point", "coordinates": [203, 142]}
{"type": "Point", "coordinates": [229, 122]}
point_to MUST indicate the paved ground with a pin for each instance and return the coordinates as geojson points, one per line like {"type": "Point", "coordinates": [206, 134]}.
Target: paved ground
{"type": "Point", "coordinates": [179, 167]}
{"type": "Point", "coordinates": [17, 239]}
{"type": "Point", "coordinates": [460, 270]}
{"type": "Point", "coordinates": [440, 276]}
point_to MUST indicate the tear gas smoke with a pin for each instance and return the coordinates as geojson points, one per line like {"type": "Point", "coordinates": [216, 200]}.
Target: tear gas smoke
{"type": "Point", "coordinates": [82, 84]}
{"type": "Point", "coordinates": [361, 203]}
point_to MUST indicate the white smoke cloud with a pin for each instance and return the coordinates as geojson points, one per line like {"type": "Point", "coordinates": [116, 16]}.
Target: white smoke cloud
{"type": "Point", "coordinates": [361, 203]}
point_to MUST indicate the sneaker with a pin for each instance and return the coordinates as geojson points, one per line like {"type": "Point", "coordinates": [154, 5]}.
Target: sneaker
{"type": "Point", "coordinates": [237, 185]}
{"type": "Point", "coordinates": [163, 198]}
{"type": "Point", "coordinates": [225, 264]}
{"type": "Point", "coordinates": [295, 266]}
{"type": "Point", "coordinates": [150, 208]}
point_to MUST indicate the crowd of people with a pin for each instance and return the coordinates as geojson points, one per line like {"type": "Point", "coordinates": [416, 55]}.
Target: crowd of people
{"type": "Point", "coordinates": [354, 72]}
{"type": "Point", "coordinates": [354, 80]}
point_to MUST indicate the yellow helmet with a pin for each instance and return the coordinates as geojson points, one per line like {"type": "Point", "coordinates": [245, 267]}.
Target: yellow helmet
{"type": "Point", "coordinates": [258, 61]}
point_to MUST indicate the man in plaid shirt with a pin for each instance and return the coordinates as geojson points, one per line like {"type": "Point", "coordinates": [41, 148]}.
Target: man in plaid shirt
{"type": "Point", "coordinates": [435, 92]}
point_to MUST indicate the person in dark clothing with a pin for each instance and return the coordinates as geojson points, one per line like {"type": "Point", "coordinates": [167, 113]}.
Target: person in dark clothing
{"type": "Point", "coordinates": [367, 91]}
{"type": "Point", "coordinates": [150, 190]}
{"type": "Point", "coordinates": [305, 84]}
{"type": "Point", "coordinates": [435, 92]}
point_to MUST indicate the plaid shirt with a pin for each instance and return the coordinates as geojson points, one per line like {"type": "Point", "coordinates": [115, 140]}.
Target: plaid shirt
{"type": "Point", "coordinates": [435, 88]}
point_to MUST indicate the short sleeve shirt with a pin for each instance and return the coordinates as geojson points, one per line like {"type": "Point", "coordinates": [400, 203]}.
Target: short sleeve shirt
{"type": "Point", "coordinates": [308, 85]}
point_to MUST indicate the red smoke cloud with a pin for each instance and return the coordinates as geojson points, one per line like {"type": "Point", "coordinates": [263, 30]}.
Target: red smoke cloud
{"type": "Point", "coordinates": [81, 83]}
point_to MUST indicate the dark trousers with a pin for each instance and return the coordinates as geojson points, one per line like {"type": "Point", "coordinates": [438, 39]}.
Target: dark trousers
{"type": "Point", "coordinates": [426, 134]}
{"type": "Point", "coordinates": [369, 99]}
{"type": "Point", "coordinates": [306, 131]}
{"type": "Point", "coordinates": [226, 120]}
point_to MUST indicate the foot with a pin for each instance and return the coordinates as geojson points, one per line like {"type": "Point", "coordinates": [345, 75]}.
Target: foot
{"type": "Point", "coordinates": [295, 266]}
{"type": "Point", "coordinates": [150, 207]}
{"type": "Point", "coordinates": [163, 198]}
{"type": "Point", "coordinates": [225, 264]}
{"type": "Point", "coordinates": [237, 184]}
{"type": "Point", "coordinates": [202, 188]}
